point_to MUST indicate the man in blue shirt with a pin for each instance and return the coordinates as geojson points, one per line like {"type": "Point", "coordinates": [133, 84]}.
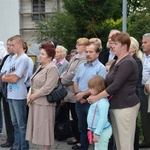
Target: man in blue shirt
{"type": "Point", "coordinates": [85, 72]}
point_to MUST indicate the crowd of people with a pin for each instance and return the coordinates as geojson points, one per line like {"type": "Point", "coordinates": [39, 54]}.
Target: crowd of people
{"type": "Point", "coordinates": [106, 90]}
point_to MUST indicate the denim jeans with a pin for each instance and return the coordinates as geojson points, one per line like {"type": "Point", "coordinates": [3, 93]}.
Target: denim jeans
{"type": "Point", "coordinates": [19, 121]}
{"type": "Point", "coordinates": [1, 118]}
{"type": "Point", "coordinates": [71, 108]}
{"type": "Point", "coordinates": [82, 111]}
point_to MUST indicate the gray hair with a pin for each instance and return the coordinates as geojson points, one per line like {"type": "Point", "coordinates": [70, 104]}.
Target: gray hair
{"type": "Point", "coordinates": [115, 30]}
{"type": "Point", "coordinates": [146, 35]}
{"type": "Point", "coordinates": [63, 49]}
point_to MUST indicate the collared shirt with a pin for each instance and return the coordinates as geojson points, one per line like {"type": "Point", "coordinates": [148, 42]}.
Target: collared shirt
{"type": "Point", "coordinates": [111, 55]}
{"type": "Point", "coordinates": [61, 62]}
{"type": "Point", "coordinates": [86, 71]}
{"type": "Point", "coordinates": [146, 68]}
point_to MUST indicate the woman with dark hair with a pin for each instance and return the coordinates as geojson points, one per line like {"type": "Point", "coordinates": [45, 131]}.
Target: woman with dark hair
{"type": "Point", "coordinates": [41, 118]}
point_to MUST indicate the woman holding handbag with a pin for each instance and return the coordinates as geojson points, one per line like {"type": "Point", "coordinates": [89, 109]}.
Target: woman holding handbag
{"type": "Point", "coordinates": [97, 118]}
{"type": "Point", "coordinates": [41, 118]}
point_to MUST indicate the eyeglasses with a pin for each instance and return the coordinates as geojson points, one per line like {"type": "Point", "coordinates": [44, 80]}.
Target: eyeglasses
{"type": "Point", "coordinates": [79, 45]}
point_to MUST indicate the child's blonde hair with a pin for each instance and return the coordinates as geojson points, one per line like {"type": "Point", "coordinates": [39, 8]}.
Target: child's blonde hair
{"type": "Point", "coordinates": [97, 83]}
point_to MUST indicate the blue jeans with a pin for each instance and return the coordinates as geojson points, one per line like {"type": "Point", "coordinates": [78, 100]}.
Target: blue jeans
{"type": "Point", "coordinates": [19, 121]}
{"type": "Point", "coordinates": [82, 111]}
{"type": "Point", "coordinates": [1, 118]}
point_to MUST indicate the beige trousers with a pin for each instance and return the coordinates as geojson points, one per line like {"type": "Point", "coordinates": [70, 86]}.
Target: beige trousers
{"type": "Point", "coordinates": [123, 124]}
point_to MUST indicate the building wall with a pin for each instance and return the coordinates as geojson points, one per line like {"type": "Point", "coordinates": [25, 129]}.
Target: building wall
{"type": "Point", "coordinates": [16, 18]}
{"type": "Point", "coordinates": [27, 25]}
{"type": "Point", "coordinates": [9, 23]}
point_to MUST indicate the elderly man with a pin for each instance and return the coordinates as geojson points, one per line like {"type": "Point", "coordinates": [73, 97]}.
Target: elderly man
{"type": "Point", "coordinates": [145, 116]}
{"type": "Point", "coordinates": [60, 58]}
{"type": "Point", "coordinates": [106, 55]}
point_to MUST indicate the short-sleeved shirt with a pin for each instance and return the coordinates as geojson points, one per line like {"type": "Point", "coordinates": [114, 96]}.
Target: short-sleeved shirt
{"type": "Point", "coordinates": [18, 90]}
{"type": "Point", "coordinates": [86, 71]}
{"type": "Point", "coordinates": [29, 72]}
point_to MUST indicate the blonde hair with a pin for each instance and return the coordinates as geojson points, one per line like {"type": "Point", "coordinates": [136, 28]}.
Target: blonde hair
{"type": "Point", "coordinates": [97, 83]}
{"type": "Point", "coordinates": [135, 44]}
{"type": "Point", "coordinates": [84, 41]}
{"type": "Point", "coordinates": [96, 41]}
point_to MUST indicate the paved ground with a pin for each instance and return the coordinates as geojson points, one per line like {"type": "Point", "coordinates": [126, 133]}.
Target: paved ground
{"type": "Point", "coordinates": [59, 145]}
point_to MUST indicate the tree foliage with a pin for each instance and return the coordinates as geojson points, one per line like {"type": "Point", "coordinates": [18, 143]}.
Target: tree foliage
{"type": "Point", "coordinates": [93, 18]}
{"type": "Point", "coordinates": [138, 24]}
{"type": "Point", "coordinates": [135, 6]}
{"type": "Point", "coordinates": [90, 14]}
{"type": "Point", "coordinates": [80, 18]}
{"type": "Point", "coordinates": [59, 27]}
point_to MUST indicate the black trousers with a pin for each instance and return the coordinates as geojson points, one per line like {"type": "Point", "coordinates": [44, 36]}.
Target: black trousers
{"type": "Point", "coordinates": [136, 138]}
{"type": "Point", "coordinates": [71, 108]}
{"type": "Point", "coordinates": [8, 123]}
{"type": "Point", "coordinates": [145, 118]}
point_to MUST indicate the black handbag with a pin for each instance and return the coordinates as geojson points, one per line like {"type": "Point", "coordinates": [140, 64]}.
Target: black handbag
{"type": "Point", "coordinates": [58, 94]}
{"type": "Point", "coordinates": [63, 130]}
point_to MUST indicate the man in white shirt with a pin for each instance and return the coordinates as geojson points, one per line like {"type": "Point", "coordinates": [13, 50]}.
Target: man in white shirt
{"type": "Point", "coordinates": [145, 116]}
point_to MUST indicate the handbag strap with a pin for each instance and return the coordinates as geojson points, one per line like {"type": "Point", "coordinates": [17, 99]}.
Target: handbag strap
{"type": "Point", "coordinates": [95, 111]}
{"type": "Point", "coordinates": [59, 82]}
{"type": "Point", "coordinates": [94, 115]}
